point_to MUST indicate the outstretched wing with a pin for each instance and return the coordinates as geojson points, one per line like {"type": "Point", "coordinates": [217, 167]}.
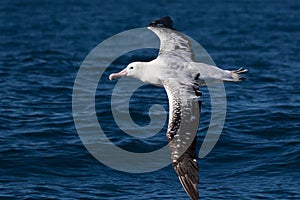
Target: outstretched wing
{"type": "Point", "coordinates": [171, 41]}
{"type": "Point", "coordinates": [184, 114]}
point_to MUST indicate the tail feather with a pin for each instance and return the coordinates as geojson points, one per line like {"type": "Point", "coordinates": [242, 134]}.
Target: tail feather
{"type": "Point", "coordinates": [240, 71]}
{"type": "Point", "coordinates": [235, 75]}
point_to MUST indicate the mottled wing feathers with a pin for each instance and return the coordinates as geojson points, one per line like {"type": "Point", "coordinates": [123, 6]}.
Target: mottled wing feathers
{"type": "Point", "coordinates": [182, 129]}
{"type": "Point", "coordinates": [186, 168]}
{"type": "Point", "coordinates": [171, 41]}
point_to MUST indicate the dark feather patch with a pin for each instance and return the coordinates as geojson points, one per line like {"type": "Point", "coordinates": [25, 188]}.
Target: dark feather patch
{"type": "Point", "coordinates": [164, 22]}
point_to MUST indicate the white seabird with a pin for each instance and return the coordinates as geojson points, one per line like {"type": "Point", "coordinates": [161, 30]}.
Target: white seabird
{"type": "Point", "coordinates": [176, 70]}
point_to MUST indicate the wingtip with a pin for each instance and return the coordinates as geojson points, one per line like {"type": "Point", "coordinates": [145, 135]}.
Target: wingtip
{"type": "Point", "coordinates": [187, 169]}
{"type": "Point", "coordinates": [163, 22]}
{"type": "Point", "coordinates": [190, 189]}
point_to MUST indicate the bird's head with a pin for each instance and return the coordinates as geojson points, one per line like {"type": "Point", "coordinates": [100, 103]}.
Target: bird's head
{"type": "Point", "coordinates": [134, 69]}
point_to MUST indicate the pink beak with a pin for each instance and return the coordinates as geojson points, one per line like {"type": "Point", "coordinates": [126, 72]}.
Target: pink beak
{"type": "Point", "coordinates": [118, 75]}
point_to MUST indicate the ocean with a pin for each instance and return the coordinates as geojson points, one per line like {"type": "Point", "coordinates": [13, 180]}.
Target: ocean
{"type": "Point", "coordinates": [43, 44]}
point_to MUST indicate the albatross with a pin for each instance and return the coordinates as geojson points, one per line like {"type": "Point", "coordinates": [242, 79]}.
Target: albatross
{"type": "Point", "coordinates": [176, 70]}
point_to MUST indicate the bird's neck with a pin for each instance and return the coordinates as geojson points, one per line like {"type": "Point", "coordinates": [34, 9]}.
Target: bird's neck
{"type": "Point", "coordinates": [150, 73]}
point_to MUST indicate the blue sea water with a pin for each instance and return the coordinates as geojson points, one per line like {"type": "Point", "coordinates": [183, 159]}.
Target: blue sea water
{"type": "Point", "coordinates": [42, 46]}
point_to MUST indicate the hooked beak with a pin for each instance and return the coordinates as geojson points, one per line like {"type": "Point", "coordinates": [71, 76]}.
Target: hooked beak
{"type": "Point", "coordinates": [118, 75]}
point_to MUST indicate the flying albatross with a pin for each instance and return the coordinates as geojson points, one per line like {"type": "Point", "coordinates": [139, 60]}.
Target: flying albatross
{"type": "Point", "coordinates": [176, 70]}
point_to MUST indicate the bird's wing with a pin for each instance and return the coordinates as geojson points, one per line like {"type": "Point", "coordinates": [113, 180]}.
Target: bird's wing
{"type": "Point", "coordinates": [184, 114]}
{"type": "Point", "coordinates": [171, 41]}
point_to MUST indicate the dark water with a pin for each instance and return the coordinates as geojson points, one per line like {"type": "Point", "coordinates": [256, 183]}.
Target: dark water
{"type": "Point", "coordinates": [42, 46]}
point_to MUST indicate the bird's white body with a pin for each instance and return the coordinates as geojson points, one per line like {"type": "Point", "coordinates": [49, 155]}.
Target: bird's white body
{"type": "Point", "coordinates": [155, 71]}
{"type": "Point", "coordinates": [175, 69]}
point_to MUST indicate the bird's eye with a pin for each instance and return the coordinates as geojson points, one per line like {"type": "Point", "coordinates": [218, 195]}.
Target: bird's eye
{"type": "Point", "coordinates": [130, 67]}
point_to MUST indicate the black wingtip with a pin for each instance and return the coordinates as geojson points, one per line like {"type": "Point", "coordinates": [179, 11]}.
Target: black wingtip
{"type": "Point", "coordinates": [164, 22]}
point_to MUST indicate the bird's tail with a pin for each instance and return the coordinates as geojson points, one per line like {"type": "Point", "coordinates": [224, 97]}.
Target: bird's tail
{"type": "Point", "coordinates": [235, 75]}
